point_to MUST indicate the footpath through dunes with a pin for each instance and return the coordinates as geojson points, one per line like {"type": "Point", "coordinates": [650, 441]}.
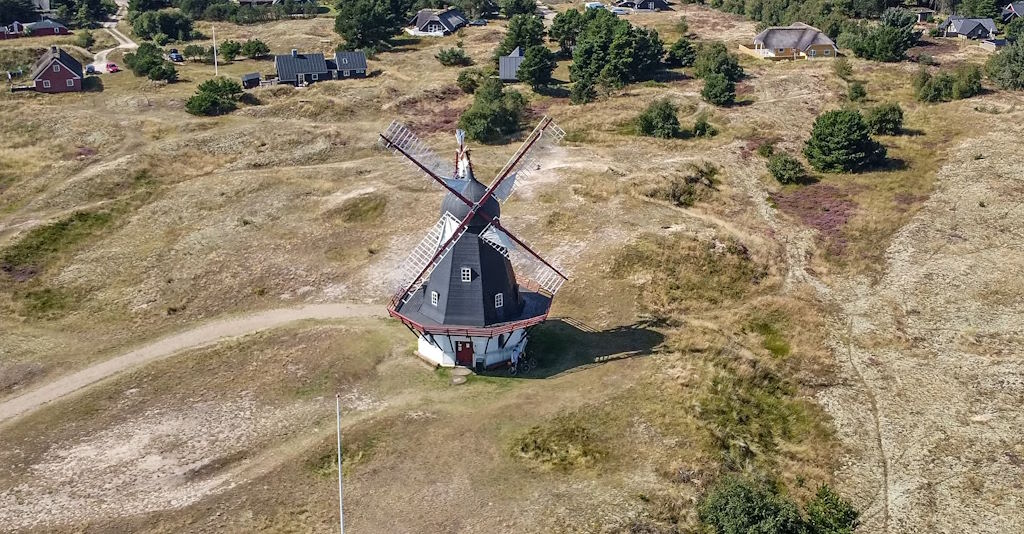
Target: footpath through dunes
{"type": "Point", "coordinates": [199, 336]}
{"type": "Point", "coordinates": [934, 355]}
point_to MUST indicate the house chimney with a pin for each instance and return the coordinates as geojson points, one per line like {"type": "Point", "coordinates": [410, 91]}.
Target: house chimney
{"type": "Point", "coordinates": [53, 48]}
{"type": "Point", "coordinates": [295, 52]}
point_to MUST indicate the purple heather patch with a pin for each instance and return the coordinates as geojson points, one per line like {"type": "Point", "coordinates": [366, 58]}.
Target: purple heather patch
{"type": "Point", "coordinates": [823, 207]}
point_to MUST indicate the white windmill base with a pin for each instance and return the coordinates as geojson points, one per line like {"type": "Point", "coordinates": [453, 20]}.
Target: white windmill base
{"type": "Point", "coordinates": [474, 351]}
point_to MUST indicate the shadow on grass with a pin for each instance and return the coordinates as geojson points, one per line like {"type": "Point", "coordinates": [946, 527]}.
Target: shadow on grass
{"type": "Point", "coordinates": [92, 84]}
{"type": "Point", "coordinates": [891, 164]}
{"type": "Point", "coordinates": [552, 91]}
{"type": "Point", "coordinates": [559, 345]}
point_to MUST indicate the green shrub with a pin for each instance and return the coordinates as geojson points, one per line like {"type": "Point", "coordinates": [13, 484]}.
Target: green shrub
{"type": "Point", "coordinates": [765, 150]}
{"type": "Point", "coordinates": [964, 82]}
{"type": "Point", "coordinates": [523, 32]}
{"type": "Point", "coordinates": [470, 79]}
{"type": "Point", "coordinates": [44, 243]}
{"type": "Point", "coordinates": [886, 119]}
{"type": "Point", "coordinates": [84, 39]}
{"type": "Point", "coordinates": [737, 505]}
{"type": "Point", "coordinates": [215, 97]}
{"type": "Point", "coordinates": [583, 91]}
{"type": "Point", "coordinates": [172, 23]}
{"type": "Point", "coordinates": [148, 60]}
{"type": "Point", "coordinates": [229, 50]}
{"type": "Point", "coordinates": [453, 57]}
{"type": "Point", "coordinates": [566, 442]}
{"type": "Point", "coordinates": [681, 53]}
{"type": "Point", "coordinates": [703, 128]}
{"type": "Point", "coordinates": [829, 513]}
{"type": "Point", "coordinates": [841, 142]}
{"type": "Point", "coordinates": [659, 120]}
{"type": "Point", "coordinates": [254, 49]}
{"type": "Point", "coordinates": [367, 24]}
{"type": "Point", "coordinates": [565, 29]}
{"type": "Point", "coordinates": [888, 41]}
{"type": "Point", "coordinates": [495, 112]}
{"type": "Point", "coordinates": [856, 92]}
{"type": "Point", "coordinates": [537, 66]}
{"type": "Point", "coordinates": [1006, 67]}
{"type": "Point", "coordinates": [511, 8]}
{"type": "Point", "coordinates": [611, 52]}
{"type": "Point", "coordinates": [718, 90]}
{"type": "Point", "coordinates": [842, 68]}
{"type": "Point", "coordinates": [714, 58]}
{"type": "Point", "coordinates": [785, 168]}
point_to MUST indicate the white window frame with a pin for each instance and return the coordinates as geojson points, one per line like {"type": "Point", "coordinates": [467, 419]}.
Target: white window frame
{"type": "Point", "coordinates": [71, 83]}
{"type": "Point", "coordinates": [46, 84]}
{"type": "Point", "coordinates": [499, 300]}
{"type": "Point", "coordinates": [316, 76]}
{"type": "Point", "coordinates": [828, 52]}
{"type": "Point", "coordinates": [56, 67]}
{"type": "Point", "coordinates": [433, 298]}
{"type": "Point", "coordinates": [814, 52]}
{"type": "Point", "coordinates": [344, 60]}
{"type": "Point", "coordinates": [467, 274]}
{"type": "Point", "coordinates": [345, 73]}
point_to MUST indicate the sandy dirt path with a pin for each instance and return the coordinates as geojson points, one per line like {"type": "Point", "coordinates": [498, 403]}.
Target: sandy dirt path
{"type": "Point", "coordinates": [200, 336]}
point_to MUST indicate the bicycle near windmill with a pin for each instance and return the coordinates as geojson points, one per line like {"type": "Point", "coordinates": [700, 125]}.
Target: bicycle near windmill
{"type": "Point", "coordinates": [464, 291]}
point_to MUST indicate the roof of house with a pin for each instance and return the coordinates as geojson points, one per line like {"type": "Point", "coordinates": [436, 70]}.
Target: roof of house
{"type": "Point", "coordinates": [965, 26]}
{"type": "Point", "coordinates": [45, 23]}
{"type": "Point", "coordinates": [1014, 7]}
{"type": "Point", "coordinates": [55, 53]}
{"type": "Point", "coordinates": [450, 18]}
{"type": "Point", "coordinates": [508, 65]}
{"type": "Point", "coordinates": [250, 76]}
{"type": "Point", "coordinates": [348, 61]}
{"type": "Point", "coordinates": [797, 35]}
{"type": "Point", "coordinates": [290, 65]}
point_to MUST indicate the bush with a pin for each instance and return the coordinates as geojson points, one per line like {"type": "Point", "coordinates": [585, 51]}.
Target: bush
{"type": "Point", "coordinates": [888, 41]}
{"type": "Point", "coordinates": [470, 79]}
{"type": "Point", "coordinates": [741, 506]}
{"type": "Point", "coordinates": [785, 168]}
{"type": "Point", "coordinates": [84, 39]}
{"type": "Point", "coordinates": [172, 23]}
{"type": "Point", "coordinates": [840, 141]}
{"type": "Point", "coordinates": [715, 58]}
{"type": "Point", "coordinates": [718, 90]}
{"type": "Point", "coordinates": [856, 92]}
{"type": "Point", "coordinates": [886, 119]}
{"type": "Point", "coordinates": [765, 150]}
{"type": "Point", "coordinates": [829, 513]}
{"type": "Point", "coordinates": [453, 57]}
{"type": "Point", "coordinates": [511, 8]}
{"type": "Point", "coordinates": [583, 91]}
{"type": "Point", "coordinates": [148, 60]}
{"type": "Point", "coordinates": [681, 53]}
{"type": "Point", "coordinates": [229, 50]}
{"type": "Point", "coordinates": [565, 29]}
{"type": "Point", "coordinates": [682, 26]}
{"type": "Point", "coordinates": [703, 128]}
{"type": "Point", "coordinates": [842, 68]}
{"type": "Point", "coordinates": [524, 31]}
{"type": "Point", "coordinates": [964, 82]}
{"type": "Point", "coordinates": [611, 52]}
{"type": "Point", "coordinates": [1006, 68]}
{"type": "Point", "coordinates": [537, 66]}
{"type": "Point", "coordinates": [254, 49]}
{"type": "Point", "coordinates": [215, 97]}
{"type": "Point", "coordinates": [659, 120]}
{"type": "Point", "coordinates": [367, 24]}
{"type": "Point", "coordinates": [495, 112]}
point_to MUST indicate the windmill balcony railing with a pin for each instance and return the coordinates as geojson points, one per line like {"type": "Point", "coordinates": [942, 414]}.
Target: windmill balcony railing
{"type": "Point", "coordinates": [524, 283]}
{"type": "Point", "coordinates": [468, 331]}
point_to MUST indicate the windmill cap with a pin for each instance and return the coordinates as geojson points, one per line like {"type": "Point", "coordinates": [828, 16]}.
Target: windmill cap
{"type": "Point", "coordinates": [473, 191]}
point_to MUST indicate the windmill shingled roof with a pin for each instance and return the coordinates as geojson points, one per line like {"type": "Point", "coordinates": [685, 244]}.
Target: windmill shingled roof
{"type": "Point", "coordinates": [797, 35]}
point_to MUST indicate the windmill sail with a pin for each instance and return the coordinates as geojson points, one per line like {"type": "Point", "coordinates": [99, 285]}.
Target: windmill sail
{"type": "Point", "coordinates": [400, 140]}
{"type": "Point", "coordinates": [425, 252]}
{"type": "Point", "coordinates": [543, 275]}
{"type": "Point", "coordinates": [524, 161]}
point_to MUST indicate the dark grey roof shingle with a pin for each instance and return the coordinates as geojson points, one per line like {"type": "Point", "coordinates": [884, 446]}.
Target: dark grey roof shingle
{"type": "Point", "coordinates": [290, 65]}
{"type": "Point", "coordinates": [508, 65]}
{"type": "Point", "coordinates": [451, 19]}
{"type": "Point", "coordinates": [350, 60]}
{"type": "Point", "coordinates": [59, 54]}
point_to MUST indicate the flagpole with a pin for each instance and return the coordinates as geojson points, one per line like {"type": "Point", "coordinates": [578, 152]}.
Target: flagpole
{"type": "Point", "coordinates": [341, 510]}
{"type": "Point", "coordinates": [216, 70]}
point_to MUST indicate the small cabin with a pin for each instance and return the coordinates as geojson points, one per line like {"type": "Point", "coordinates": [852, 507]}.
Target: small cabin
{"type": "Point", "coordinates": [57, 72]}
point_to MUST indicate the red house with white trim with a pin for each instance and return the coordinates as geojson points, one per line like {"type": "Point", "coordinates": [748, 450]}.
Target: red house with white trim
{"type": "Point", "coordinates": [57, 72]}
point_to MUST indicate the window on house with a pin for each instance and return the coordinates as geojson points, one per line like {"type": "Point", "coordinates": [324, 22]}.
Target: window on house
{"type": "Point", "coordinates": [467, 274]}
{"type": "Point", "coordinates": [345, 74]}
{"type": "Point", "coordinates": [433, 297]}
{"type": "Point", "coordinates": [71, 83]}
{"type": "Point", "coordinates": [46, 84]}
{"type": "Point", "coordinates": [315, 76]}
{"type": "Point", "coordinates": [344, 60]}
{"type": "Point", "coordinates": [814, 53]}
{"type": "Point", "coordinates": [782, 50]}
{"type": "Point", "coordinates": [828, 52]}
{"type": "Point", "coordinates": [499, 300]}
{"type": "Point", "coordinates": [56, 67]}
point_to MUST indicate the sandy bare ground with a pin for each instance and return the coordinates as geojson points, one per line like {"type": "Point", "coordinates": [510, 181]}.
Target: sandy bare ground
{"type": "Point", "coordinates": [933, 356]}
{"type": "Point", "coordinates": [197, 337]}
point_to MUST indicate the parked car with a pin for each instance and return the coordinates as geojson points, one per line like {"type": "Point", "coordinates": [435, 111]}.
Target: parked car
{"type": "Point", "coordinates": [90, 69]}
{"type": "Point", "coordinates": [175, 57]}
{"type": "Point", "coordinates": [594, 5]}
{"type": "Point", "coordinates": [478, 22]}
{"type": "Point", "coordinates": [619, 11]}
{"type": "Point", "coordinates": [112, 67]}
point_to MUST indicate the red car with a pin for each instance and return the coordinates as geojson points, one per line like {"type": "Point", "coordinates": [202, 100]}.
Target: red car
{"type": "Point", "coordinates": [112, 67]}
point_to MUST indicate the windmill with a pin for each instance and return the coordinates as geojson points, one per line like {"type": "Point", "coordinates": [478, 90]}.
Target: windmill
{"type": "Point", "coordinates": [459, 292]}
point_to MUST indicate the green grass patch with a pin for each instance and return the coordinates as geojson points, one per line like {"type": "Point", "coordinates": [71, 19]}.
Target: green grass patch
{"type": "Point", "coordinates": [772, 337]}
{"type": "Point", "coordinates": [47, 303]}
{"type": "Point", "coordinates": [362, 209]}
{"type": "Point", "coordinates": [43, 244]}
{"type": "Point", "coordinates": [567, 441]}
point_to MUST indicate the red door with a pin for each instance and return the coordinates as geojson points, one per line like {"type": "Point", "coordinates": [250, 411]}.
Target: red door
{"type": "Point", "coordinates": [464, 353]}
